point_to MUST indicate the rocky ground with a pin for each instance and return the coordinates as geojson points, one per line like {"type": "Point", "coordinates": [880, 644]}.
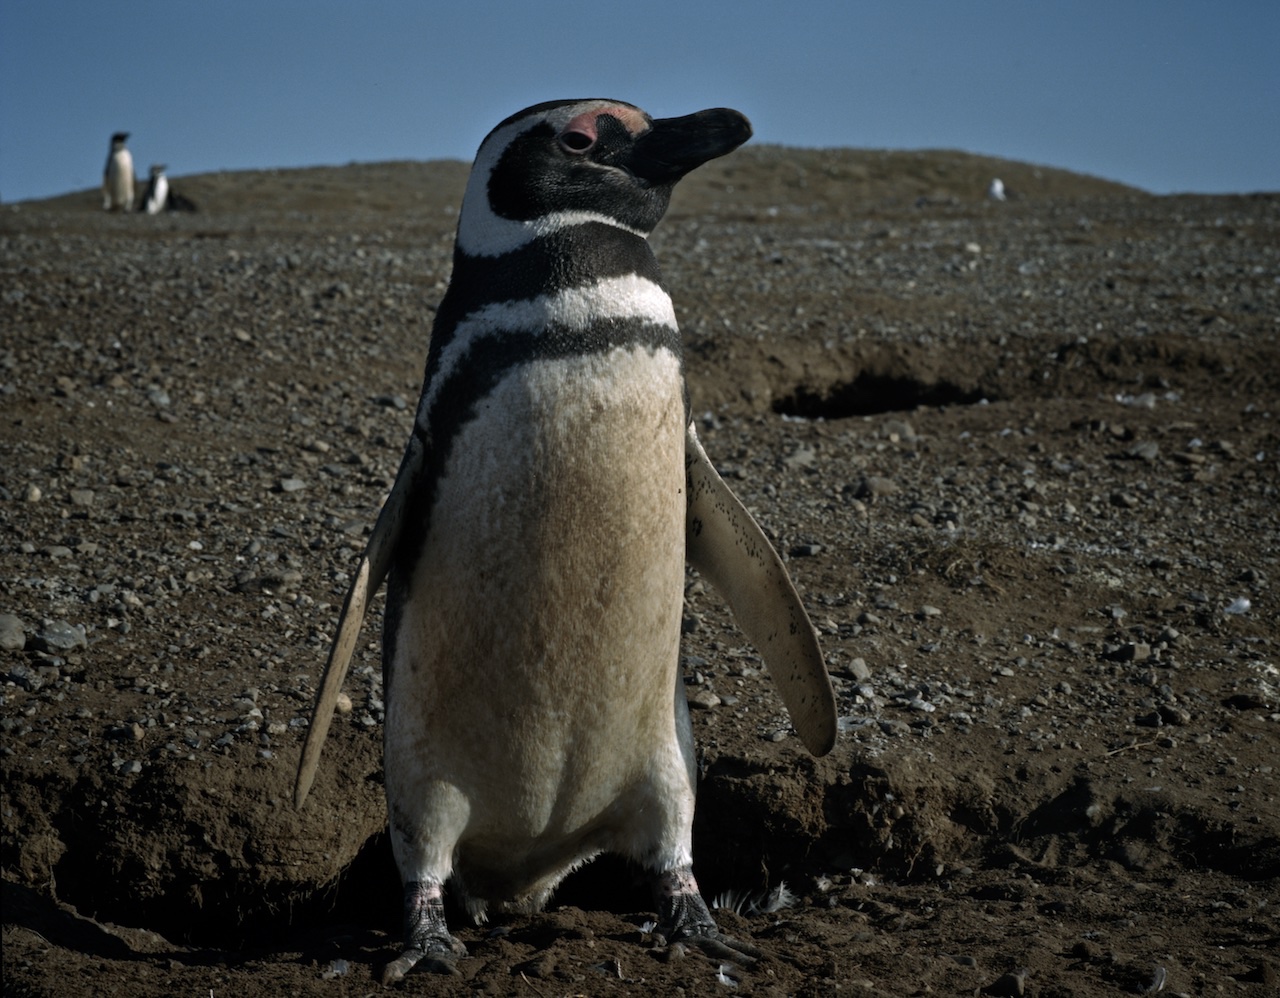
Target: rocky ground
{"type": "Point", "coordinates": [1022, 458]}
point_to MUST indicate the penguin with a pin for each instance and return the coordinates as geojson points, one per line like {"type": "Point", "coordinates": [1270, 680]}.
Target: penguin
{"type": "Point", "coordinates": [995, 192]}
{"type": "Point", "coordinates": [117, 176]}
{"type": "Point", "coordinates": [535, 539]}
{"type": "Point", "coordinates": [156, 199]}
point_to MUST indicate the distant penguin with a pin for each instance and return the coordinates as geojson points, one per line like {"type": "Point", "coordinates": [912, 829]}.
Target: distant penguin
{"type": "Point", "coordinates": [117, 176]}
{"type": "Point", "coordinates": [157, 196]}
{"type": "Point", "coordinates": [996, 191]}
{"type": "Point", "coordinates": [535, 541]}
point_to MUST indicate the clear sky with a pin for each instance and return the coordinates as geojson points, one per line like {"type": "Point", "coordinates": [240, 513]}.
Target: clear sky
{"type": "Point", "coordinates": [1167, 95]}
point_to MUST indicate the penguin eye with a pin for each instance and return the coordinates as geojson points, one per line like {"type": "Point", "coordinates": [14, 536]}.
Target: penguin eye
{"type": "Point", "coordinates": [576, 142]}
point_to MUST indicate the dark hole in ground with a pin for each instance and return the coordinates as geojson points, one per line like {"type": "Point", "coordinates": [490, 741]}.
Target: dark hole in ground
{"type": "Point", "coordinates": [870, 394]}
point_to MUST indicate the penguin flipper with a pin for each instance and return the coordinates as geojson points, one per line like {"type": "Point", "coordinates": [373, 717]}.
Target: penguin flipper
{"type": "Point", "coordinates": [370, 573]}
{"type": "Point", "coordinates": [725, 544]}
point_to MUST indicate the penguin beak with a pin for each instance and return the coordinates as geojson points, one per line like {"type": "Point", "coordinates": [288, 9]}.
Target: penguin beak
{"type": "Point", "coordinates": [675, 146]}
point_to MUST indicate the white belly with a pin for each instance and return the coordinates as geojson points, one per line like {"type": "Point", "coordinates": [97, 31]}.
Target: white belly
{"type": "Point", "coordinates": [531, 700]}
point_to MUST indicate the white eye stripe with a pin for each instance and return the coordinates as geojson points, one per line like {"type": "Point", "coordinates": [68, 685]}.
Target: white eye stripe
{"type": "Point", "coordinates": [626, 297]}
{"type": "Point", "coordinates": [482, 233]}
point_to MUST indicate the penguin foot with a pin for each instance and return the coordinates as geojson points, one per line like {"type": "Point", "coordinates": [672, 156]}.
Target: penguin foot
{"type": "Point", "coordinates": [685, 920]}
{"type": "Point", "coordinates": [427, 938]}
{"type": "Point", "coordinates": [438, 961]}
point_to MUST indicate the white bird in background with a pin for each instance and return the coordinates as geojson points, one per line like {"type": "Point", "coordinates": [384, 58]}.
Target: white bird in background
{"type": "Point", "coordinates": [117, 176]}
{"type": "Point", "coordinates": [157, 196]}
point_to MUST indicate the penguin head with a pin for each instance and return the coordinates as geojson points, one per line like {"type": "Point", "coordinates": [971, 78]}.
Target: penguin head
{"type": "Point", "coordinates": [567, 162]}
{"type": "Point", "coordinates": [119, 138]}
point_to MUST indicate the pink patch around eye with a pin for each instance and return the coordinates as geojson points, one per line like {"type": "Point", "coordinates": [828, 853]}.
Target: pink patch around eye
{"type": "Point", "coordinates": [585, 123]}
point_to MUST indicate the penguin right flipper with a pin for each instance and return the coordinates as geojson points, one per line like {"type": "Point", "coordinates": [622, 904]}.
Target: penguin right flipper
{"type": "Point", "coordinates": [372, 570]}
{"type": "Point", "coordinates": [725, 544]}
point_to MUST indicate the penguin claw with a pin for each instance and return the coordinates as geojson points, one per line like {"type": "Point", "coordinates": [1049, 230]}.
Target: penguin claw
{"type": "Point", "coordinates": [438, 959]}
{"type": "Point", "coordinates": [711, 943]}
{"type": "Point", "coordinates": [686, 921]}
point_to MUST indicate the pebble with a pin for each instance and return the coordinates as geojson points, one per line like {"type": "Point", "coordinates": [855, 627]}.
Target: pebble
{"type": "Point", "coordinates": [874, 486]}
{"type": "Point", "coordinates": [26, 677]}
{"type": "Point", "coordinates": [13, 635]}
{"type": "Point", "coordinates": [800, 458]}
{"type": "Point", "coordinates": [1011, 985]}
{"type": "Point", "coordinates": [899, 430]}
{"type": "Point", "coordinates": [58, 635]}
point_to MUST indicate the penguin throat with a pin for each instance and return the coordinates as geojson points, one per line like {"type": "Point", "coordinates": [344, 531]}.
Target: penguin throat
{"type": "Point", "coordinates": [481, 233]}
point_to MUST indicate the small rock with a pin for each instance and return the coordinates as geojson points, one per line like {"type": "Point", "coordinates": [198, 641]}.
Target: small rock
{"type": "Point", "coordinates": [802, 457]}
{"type": "Point", "coordinates": [26, 677]}
{"type": "Point", "coordinates": [873, 486]}
{"type": "Point", "coordinates": [1125, 500]}
{"type": "Point", "coordinates": [82, 497]}
{"type": "Point", "coordinates": [291, 484]}
{"type": "Point", "coordinates": [1145, 450]}
{"type": "Point", "coordinates": [899, 430]}
{"type": "Point", "coordinates": [33, 493]}
{"type": "Point", "coordinates": [1011, 985]}
{"type": "Point", "coordinates": [1173, 715]}
{"type": "Point", "coordinates": [59, 636]}
{"type": "Point", "coordinates": [703, 699]}
{"type": "Point", "coordinates": [13, 635]}
{"type": "Point", "coordinates": [343, 704]}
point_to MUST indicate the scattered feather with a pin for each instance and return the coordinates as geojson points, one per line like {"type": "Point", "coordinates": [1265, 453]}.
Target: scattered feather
{"type": "Point", "coordinates": [760, 903]}
{"type": "Point", "coordinates": [723, 976]}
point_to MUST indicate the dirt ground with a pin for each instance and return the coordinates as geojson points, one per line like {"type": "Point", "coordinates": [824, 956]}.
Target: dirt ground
{"type": "Point", "coordinates": [1023, 460]}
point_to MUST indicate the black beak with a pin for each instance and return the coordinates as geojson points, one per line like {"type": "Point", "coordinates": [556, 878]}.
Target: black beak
{"type": "Point", "coordinates": [674, 146]}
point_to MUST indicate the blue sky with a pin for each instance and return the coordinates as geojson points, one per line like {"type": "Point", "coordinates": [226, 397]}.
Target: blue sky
{"type": "Point", "coordinates": [1169, 96]}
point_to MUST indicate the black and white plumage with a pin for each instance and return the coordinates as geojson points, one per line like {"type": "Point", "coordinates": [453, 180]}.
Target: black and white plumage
{"type": "Point", "coordinates": [536, 536]}
{"type": "Point", "coordinates": [156, 198]}
{"type": "Point", "coordinates": [117, 176]}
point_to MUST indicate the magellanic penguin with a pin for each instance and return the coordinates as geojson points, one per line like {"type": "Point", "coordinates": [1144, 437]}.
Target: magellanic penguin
{"type": "Point", "coordinates": [156, 199]}
{"type": "Point", "coordinates": [535, 541]}
{"type": "Point", "coordinates": [117, 176]}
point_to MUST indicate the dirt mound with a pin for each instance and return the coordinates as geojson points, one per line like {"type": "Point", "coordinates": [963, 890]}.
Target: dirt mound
{"type": "Point", "coordinates": [1022, 457]}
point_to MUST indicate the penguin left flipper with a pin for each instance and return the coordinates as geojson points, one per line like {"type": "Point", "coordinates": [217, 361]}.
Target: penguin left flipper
{"type": "Point", "coordinates": [725, 544]}
{"type": "Point", "coordinates": [372, 570]}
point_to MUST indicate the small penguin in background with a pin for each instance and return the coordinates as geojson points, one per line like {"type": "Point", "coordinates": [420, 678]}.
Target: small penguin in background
{"type": "Point", "coordinates": [996, 191]}
{"type": "Point", "coordinates": [117, 176]}
{"type": "Point", "coordinates": [535, 542]}
{"type": "Point", "coordinates": [156, 199]}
